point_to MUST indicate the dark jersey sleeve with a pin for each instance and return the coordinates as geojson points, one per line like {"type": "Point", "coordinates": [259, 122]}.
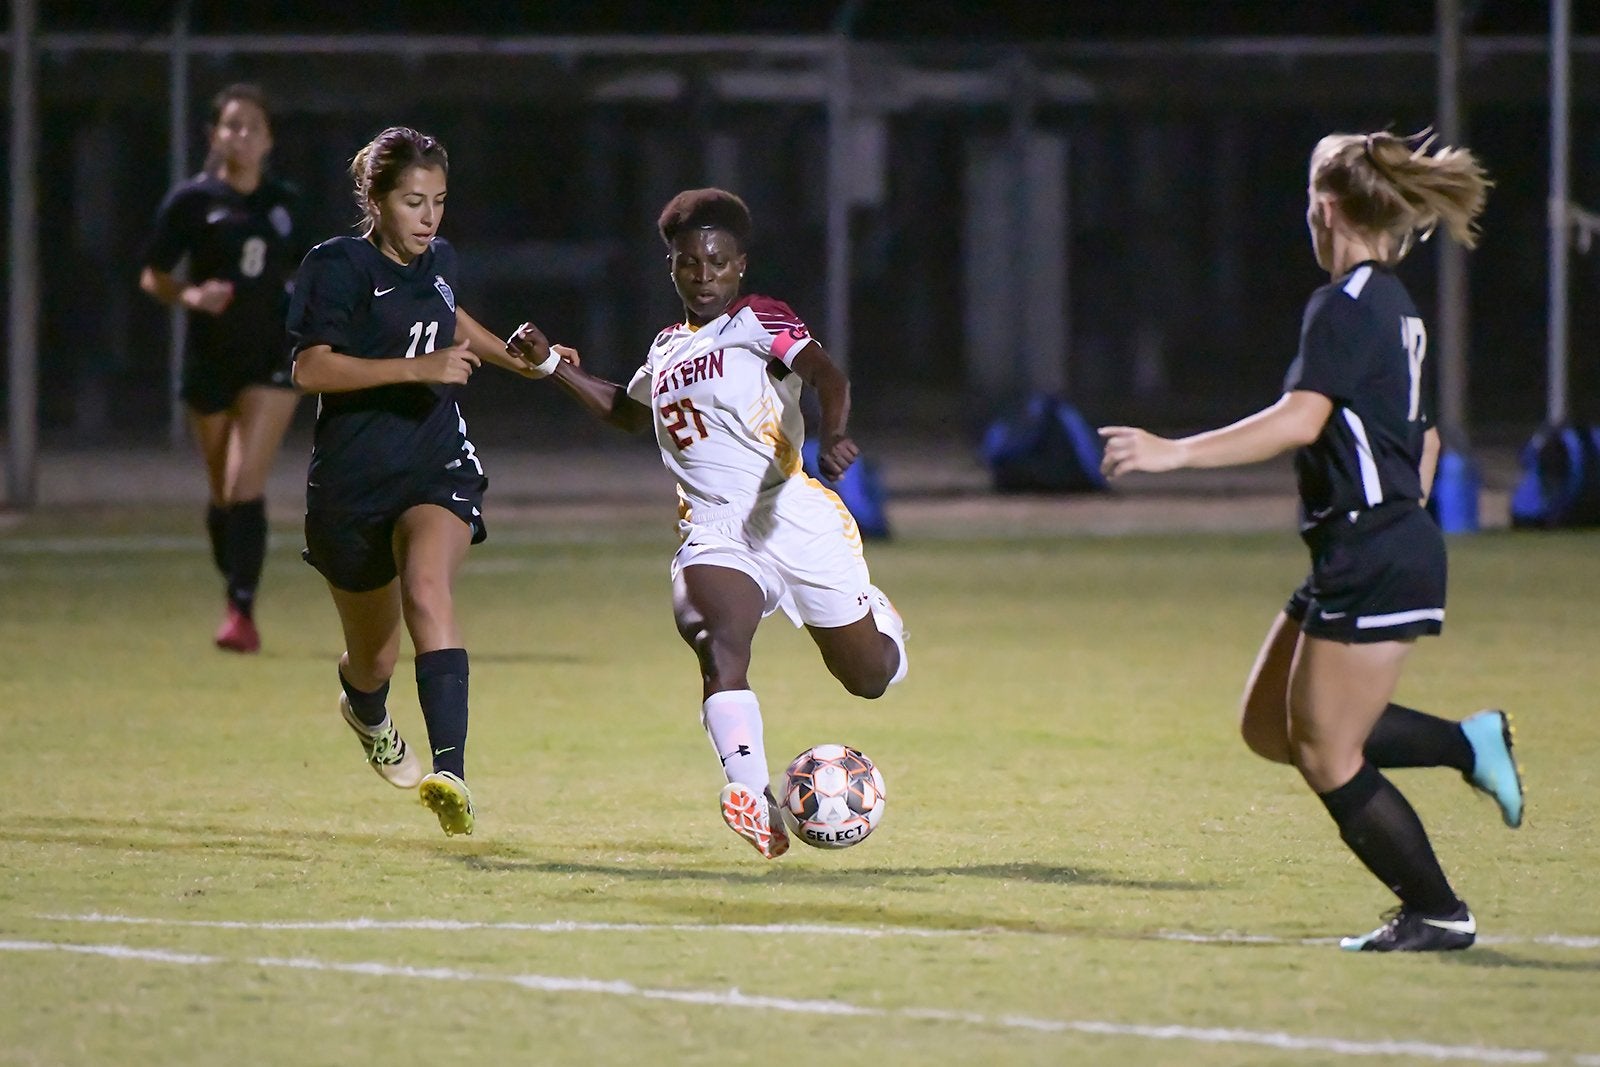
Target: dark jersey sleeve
{"type": "Point", "coordinates": [173, 232]}
{"type": "Point", "coordinates": [1327, 362]}
{"type": "Point", "coordinates": [328, 292]}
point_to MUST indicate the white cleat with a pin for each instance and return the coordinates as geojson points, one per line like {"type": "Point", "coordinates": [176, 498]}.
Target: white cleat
{"type": "Point", "coordinates": [385, 749]}
{"type": "Point", "coordinates": [751, 815]}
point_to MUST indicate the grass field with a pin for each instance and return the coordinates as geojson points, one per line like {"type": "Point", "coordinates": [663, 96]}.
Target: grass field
{"type": "Point", "coordinates": [1079, 862]}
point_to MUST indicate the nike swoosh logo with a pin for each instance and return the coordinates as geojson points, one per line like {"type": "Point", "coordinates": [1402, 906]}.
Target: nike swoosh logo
{"type": "Point", "coordinates": [383, 292]}
{"type": "Point", "coordinates": [216, 215]}
{"type": "Point", "coordinates": [1469, 925]}
{"type": "Point", "coordinates": [454, 496]}
{"type": "Point", "coordinates": [1331, 615]}
{"type": "Point", "coordinates": [442, 751]}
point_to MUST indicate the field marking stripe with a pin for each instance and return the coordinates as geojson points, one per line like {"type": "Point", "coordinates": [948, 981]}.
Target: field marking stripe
{"type": "Point", "coordinates": [733, 998]}
{"type": "Point", "coordinates": [554, 926]}
{"type": "Point", "coordinates": [567, 926]}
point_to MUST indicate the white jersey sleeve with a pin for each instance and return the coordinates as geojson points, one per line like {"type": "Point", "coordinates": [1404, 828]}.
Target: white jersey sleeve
{"type": "Point", "coordinates": [726, 402]}
{"type": "Point", "coordinates": [785, 334]}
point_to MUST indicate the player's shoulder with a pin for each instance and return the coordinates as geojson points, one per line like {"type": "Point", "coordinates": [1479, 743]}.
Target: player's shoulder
{"type": "Point", "coordinates": [194, 190]}
{"type": "Point", "coordinates": [769, 311]}
{"type": "Point", "coordinates": [667, 336]}
{"type": "Point", "coordinates": [1345, 297]}
{"type": "Point", "coordinates": [444, 254]}
{"type": "Point", "coordinates": [1365, 283]}
{"type": "Point", "coordinates": [340, 255]}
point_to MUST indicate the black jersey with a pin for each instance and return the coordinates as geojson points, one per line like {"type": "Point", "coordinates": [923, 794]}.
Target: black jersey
{"type": "Point", "coordinates": [373, 445]}
{"type": "Point", "coordinates": [1363, 346]}
{"type": "Point", "coordinates": [246, 239]}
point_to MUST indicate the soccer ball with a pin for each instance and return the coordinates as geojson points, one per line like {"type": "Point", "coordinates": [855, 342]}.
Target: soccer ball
{"type": "Point", "coordinates": [832, 797]}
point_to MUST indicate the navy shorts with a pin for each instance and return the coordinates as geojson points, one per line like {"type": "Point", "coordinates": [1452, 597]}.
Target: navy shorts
{"type": "Point", "coordinates": [212, 382]}
{"type": "Point", "coordinates": [1377, 576]}
{"type": "Point", "coordinates": [355, 550]}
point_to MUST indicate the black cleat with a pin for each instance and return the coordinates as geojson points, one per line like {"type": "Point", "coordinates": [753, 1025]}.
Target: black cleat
{"type": "Point", "coordinates": [1408, 930]}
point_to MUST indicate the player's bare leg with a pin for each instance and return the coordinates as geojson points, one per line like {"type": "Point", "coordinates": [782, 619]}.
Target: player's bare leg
{"type": "Point", "coordinates": [430, 543]}
{"type": "Point", "coordinates": [1337, 692]}
{"type": "Point", "coordinates": [1264, 717]}
{"type": "Point", "coordinates": [868, 655]}
{"type": "Point", "coordinates": [717, 610]}
{"type": "Point", "coordinates": [214, 434]}
{"type": "Point", "coordinates": [1480, 746]}
{"type": "Point", "coordinates": [257, 422]}
{"type": "Point", "coordinates": [371, 623]}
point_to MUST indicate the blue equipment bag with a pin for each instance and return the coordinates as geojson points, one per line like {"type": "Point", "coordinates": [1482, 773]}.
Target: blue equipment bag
{"type": "Point", "coordinates": [859, 489]}
{"type": "Point", "coordinates": [1051, 448]}
{"type": "Point", "coordinates": [1560, 479]}
{"type": "Point", "coordinates": [1454, 500]}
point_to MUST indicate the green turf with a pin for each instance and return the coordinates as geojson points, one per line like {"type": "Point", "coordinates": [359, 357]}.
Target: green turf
{"type": "Point", "coordinates": [1064, 779]}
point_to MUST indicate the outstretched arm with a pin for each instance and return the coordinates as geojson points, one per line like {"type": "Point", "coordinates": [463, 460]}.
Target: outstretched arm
{"type": "Point", "coordinates": [605, 400]}
{"type": "Point", "coordinates": [319, 369]}
{"type": "Point", "coordinates": [490, 349]}
{"type": "Point", "coordinates": [1296, 419]}
{"type": "Point", "coordinates": [835, 450]}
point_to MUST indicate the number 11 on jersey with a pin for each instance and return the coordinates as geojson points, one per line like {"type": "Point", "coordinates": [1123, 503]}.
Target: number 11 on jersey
{"type": "Point", "coordinates": [417, 330]}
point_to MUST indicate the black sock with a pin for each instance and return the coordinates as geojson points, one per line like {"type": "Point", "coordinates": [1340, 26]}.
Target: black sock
{"type": "Point", "coordinates": [1404, 737]}
{"type": "Point", "coordinates": [247, 548]}
{"type": "Point", "coordinates": [442, 692]}
{"type": "Point", "coordinates": [217, 528]}
{"type": "Point", "coordinates": [1384, 832]}
{"type": "Point", "coordinates": [371, 708]}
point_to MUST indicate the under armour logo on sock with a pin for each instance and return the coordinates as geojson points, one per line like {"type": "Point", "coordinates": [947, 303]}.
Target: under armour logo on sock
{"type": "Point", "coordinates": [742, 750]}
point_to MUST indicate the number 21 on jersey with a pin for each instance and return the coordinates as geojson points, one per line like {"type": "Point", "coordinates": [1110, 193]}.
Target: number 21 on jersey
{"type": "Point", "coordinates": [675, 420]}
{"type": "Point", "coordinates": [418, 329]}
{"type": "Point", "coordinates": [1415, 338]}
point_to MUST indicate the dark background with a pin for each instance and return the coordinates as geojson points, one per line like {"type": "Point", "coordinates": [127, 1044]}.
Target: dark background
{"type": "Point", "coordinates": [1187, 175]}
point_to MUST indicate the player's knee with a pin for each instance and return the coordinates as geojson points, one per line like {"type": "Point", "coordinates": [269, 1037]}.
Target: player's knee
{"type": "Point", "coordinates": [369, 670]}
{"type": "Point", "coordinates": [723, 657]}
{"type": "Point", "coordinates": [425, 599]}
{"type": "Point", "coordinates": [865, 683]}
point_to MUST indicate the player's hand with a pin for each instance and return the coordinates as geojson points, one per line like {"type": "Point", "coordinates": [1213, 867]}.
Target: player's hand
{"type": "Point", "coordinates": [568, 354]}
{"type": "Point", "coordinates": [447, 366]}
{"type": "Point", "coordinates": [529, 344]}
{"type": "Point", "coordinates": [835, 456]}
{"type": "Point", "coordinates": [1130, 449]}
{"type": "Point", "coordinates": [210, 297]}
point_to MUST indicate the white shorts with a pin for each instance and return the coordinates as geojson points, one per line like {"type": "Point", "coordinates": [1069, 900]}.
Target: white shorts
{"type": "Point", "coordinates": [797, 541]}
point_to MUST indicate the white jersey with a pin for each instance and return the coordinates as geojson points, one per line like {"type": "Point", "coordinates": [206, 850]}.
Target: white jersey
{"type": "Point", "coordinates": [725, 401]}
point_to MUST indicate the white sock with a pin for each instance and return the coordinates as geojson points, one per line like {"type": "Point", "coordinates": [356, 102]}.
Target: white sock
{"type": "Point", "coordinates": [889, 623]}
{"type": "Point", "coordinates": [732, 720]}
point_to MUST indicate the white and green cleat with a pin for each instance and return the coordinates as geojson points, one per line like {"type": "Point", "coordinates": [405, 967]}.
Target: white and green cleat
{"type": "Point", "coordinates": [448, 797]}
{"type": "Point", "coordinates": [385, 749]}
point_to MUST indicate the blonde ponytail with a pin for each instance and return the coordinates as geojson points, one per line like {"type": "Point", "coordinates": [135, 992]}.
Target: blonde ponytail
{"type": "Point", "coordinates": [1401, 186]}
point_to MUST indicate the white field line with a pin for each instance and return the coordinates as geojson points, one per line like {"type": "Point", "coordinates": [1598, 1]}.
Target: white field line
{"type": "Point", "coordinates": [733, 998]}
{"type": "Point", "coordinates": [564, 926]}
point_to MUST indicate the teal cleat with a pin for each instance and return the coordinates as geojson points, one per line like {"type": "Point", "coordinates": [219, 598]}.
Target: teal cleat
{"type": "Point", "coordinates": [1494, 767]}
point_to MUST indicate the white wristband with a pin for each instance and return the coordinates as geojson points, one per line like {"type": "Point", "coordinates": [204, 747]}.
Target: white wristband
{"type": "Point", "coordinates": [548, 367]}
